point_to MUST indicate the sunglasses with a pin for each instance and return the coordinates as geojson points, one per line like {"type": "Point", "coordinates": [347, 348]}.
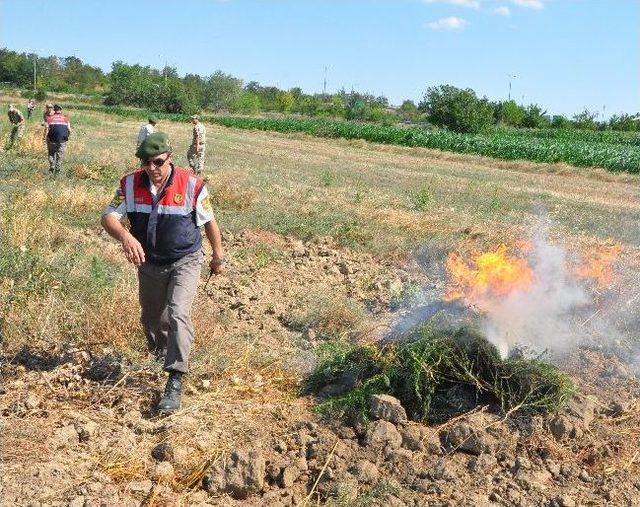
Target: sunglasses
{"type": "Point", "coordinates": [158, 162]}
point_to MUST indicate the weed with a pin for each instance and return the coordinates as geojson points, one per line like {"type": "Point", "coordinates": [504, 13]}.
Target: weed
{"type": "Point", "coordinates": [425, 365]}
{"type": "Point", "coordinates": [422, 200]}
{"type": "Point", "coordinates": [265, 255]}
{"type": "Point", "coordinates": [327, 178]}
{"type": "Point", "coordinates": [374, 497]}
{"type": "Point", "coordinates": [101, 276]}
{"type": "Point", "coordinates": [329, 316]}
{"type": "Point", "coordinates": [496, 203]}
{"type": "Point", "coordinates": [351, 234]}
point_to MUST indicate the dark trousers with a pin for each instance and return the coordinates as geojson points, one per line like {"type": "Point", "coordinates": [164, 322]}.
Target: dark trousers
{"type": "Point", "coordinates": [56, 152]}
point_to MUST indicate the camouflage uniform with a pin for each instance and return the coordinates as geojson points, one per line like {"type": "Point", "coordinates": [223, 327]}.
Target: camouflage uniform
{"type": "Point", "coordinates": [17, 127]}
{"type": "Point", "coordinates": [195, 154]}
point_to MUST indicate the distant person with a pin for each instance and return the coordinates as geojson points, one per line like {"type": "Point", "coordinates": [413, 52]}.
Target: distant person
{"type": "Point", "coordinates": [195, 153]}
{"type": "Point", "coordinates": [56, 133]}
{"type": "Point", "coordinates": [166, 207]}
{"type": "Point", "coordinates": [16, 119]}
{"type": "Point", "coordinates": [31, 105]}
{"type": "Point", "coordinates": [48, 111]}
{"type": "Point", "coordinates": [146, 130]}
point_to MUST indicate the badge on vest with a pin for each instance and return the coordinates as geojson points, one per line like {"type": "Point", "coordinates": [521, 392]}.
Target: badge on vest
{"type": "Point", "coordinates": [178, 198]}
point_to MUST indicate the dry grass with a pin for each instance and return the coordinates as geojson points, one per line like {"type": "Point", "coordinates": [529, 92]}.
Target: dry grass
{"type": "Point", "coordinates": [64, 285]}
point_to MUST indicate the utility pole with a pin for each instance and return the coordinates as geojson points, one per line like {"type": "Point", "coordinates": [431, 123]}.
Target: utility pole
{"type": "Point", "coordinates": [324, 83]}
{"type": "Point", "coordinates": [511, 77]}
{"type": "Point", "coordinates": [35, 71]}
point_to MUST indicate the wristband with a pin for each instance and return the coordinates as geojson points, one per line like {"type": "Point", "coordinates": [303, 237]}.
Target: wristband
{"type": "Point", "coordinates": [219, 262]}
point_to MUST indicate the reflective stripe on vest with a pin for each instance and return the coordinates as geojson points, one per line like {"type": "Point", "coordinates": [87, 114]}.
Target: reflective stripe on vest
{"type": "Point", "coordinates": [165, 224]}
{"type": "Point", "coordinates": [163, 209]}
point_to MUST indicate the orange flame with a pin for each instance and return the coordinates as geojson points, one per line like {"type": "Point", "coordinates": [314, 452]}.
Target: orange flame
{"type": "Point", "coordinates": [488, 275]}
{"type": "Point", "coordinates": [598, 265]}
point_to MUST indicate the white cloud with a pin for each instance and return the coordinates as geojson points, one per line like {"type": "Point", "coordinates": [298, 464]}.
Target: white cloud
{"type": "Point", "coordinates": [474, 4]}
{"type": "Point", "coordinates": [502, 11]}
{"type": "Point", "coordinates": [529, 4]}
{"type": "Point", "coordinates": [450, 23]}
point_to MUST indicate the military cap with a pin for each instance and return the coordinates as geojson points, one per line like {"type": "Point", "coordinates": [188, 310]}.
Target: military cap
{"type": "Point", "coordinates": [153, 145]}
{"type": "Point", "coordinates": [195, 117]}
{"type": "Point", "coordinates": [152, 119]}
{"type": "Point", "coordinates": [57, 107]}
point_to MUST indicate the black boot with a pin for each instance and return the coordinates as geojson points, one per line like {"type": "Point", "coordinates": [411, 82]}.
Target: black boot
{"type": "Point", "coordinates": [170, 402]}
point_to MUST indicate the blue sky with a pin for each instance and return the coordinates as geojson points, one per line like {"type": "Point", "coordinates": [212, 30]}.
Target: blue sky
{"type": "Point", "coordinates": [565, 54]}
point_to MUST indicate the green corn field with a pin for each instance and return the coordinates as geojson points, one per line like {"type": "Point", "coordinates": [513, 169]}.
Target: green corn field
{"type": "Point", "coordinates": [615, 151]}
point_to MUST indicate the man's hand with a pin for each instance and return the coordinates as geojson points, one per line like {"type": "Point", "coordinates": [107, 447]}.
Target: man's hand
{"type": "Point", "coordinates": [132, 249]}
{"type": "Point", "coordinates": [217, 266]}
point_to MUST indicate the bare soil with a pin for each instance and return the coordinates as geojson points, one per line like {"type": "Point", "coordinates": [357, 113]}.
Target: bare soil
{"type": "Point", "coordinates": [326, 241]}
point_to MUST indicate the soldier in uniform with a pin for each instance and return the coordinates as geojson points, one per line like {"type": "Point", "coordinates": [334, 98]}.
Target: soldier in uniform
{"type": "Point", "coordinates": [166, 206]}
{"type": "Point", "coordinates": [195, 153]}
{"type": "Point", "coordinates": [16, 119]}
{"type": "Point", "coordinates": [57, 129]}
{"type": "Point", "coordinates": [31, 105]}
{"type": "Point", "coordinates": [48, 111]}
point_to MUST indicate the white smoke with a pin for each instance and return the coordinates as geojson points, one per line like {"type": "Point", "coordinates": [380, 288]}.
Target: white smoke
{"type": "Point", "coordinates": [548, 316]}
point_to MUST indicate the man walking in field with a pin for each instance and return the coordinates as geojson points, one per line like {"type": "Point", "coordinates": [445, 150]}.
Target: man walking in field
{"type": "Point", "coordinates": [16, 119]}
{"type": "Point", "coordinates": [195, 153]}
{"type": "Point", "coordinates": [31, 105]}
{"type": "Point", "coordinates": [48, 111]}
{"type": "Point", "coordinates": [166, 206]}
{"type": "Point", "coordinates": [57, 129]}
{"type": "Point", "coordinates": [146, 130]}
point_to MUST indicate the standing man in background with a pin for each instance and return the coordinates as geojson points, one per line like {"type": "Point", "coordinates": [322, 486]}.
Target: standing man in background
{"type": "Point", "coordinates": [56, 134]}
{"type": "Point", "coordinates": [31, 105]}
{"type": "Point", "coordinates": [146, 130]}
{"type": "Point", "coordinates": [48, 111]}
{"type": "Point", "coordinates": [16, 119]}
{"type": "Point", "coordinates": [195, 153]}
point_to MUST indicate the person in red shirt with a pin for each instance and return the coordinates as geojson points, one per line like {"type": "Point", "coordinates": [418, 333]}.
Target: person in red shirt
{"type": "Point", "coordinates": [57, 130]}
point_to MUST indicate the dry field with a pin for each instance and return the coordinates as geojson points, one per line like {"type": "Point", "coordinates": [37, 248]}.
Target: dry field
{"type": "Point", "coordinates": [327, 239]}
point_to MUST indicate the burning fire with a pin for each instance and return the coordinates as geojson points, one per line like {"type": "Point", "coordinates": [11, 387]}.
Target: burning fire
{"type": "Point", "coordinates": [598, 265]}
{"type": "Point", "coordinates": [488, 275]}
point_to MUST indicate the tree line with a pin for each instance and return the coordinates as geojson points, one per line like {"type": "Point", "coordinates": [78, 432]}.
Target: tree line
{"type": "Point", "coordinates": [459, 110]}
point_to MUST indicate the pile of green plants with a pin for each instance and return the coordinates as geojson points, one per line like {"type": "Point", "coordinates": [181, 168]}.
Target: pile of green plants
{"type": "Point", "coordinates": [427, 369]}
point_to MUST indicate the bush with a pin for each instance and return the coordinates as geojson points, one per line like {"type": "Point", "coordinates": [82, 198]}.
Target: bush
{"type": "Point", "coordinates": [510, 113]}
{"type": "Point", "coordinates": [561, 122]}
{"type": "Point", "coordinates": [247, 103]}
{"type": "Point", "coordinates": [284, 102]}
{"type": "Point", "coordinates": [409, 111]}
{"type": "Point", "coordinates": [40, 94]}
{"type": "Point", "coordinates": [535, 117]}
{"type": "Point", "coordinates": [625, 122]}
{"type": "Point", "coordinates": [586, 120]}
{"type": "Point", "coordinates": [458, 110]}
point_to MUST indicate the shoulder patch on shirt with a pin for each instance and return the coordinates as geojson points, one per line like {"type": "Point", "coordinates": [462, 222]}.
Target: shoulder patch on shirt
{"type": "Point", "coordinates": [117, 200]}
{"type": "Point", "coordinates": [206, 203]}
